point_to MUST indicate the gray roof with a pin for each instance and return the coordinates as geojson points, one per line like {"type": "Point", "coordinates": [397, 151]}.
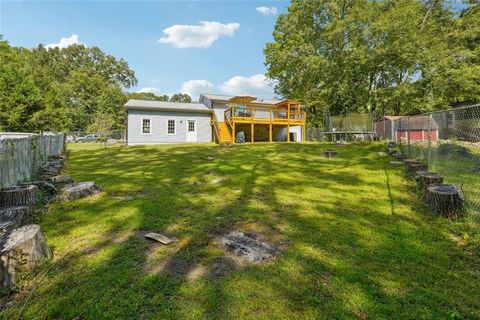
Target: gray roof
{"type": "Point", "coordinates": [166, 106]}
{"type": "Point", "coordinates": [225, 98]}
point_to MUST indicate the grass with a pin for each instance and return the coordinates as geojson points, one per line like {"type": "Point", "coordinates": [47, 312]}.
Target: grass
{"type": "Point", "coordinates": [361, 243]}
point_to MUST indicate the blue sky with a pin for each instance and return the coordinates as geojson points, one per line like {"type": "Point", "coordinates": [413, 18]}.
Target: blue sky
{"type": "Point", "coordinates": [223, 54]}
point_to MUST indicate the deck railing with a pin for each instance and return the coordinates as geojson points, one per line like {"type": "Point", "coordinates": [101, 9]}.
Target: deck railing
{"type": "Point", "coordinates": [265, 115]}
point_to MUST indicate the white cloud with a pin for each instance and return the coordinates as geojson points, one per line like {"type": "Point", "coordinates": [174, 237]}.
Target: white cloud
{"type": "Point", "coordinates": [256, 85]}
{"type": "Point", "coordinates": [64, 42]}
{"type": "Point", "coordinates": [267, 11]}
{"type": "Point", "coordinates": [149, 90]}
{"type": "Point", "coordinates": [196, 87]}
{"type": "Point", "coordinates": [199, 36]}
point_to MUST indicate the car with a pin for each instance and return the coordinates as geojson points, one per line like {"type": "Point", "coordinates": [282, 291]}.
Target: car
{"type": "Point", "coordinates": [89, 138]}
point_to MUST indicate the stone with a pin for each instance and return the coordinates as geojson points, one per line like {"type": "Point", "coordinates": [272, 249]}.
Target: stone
{"type": "Point", "coordinates": [396, 163]}
{"type": "Point", "coordinates": [22, 248]}
{"type": "Point", "coordinates": [159, 237]}
{"type": "Point", "coordinates": [382, 154]}
{"type": "Point", "coordinates": [249, 246]}
{"type": "Point", "coordinates": [61, 179]}
{"type": "Point", "coordinates": [79, 190]}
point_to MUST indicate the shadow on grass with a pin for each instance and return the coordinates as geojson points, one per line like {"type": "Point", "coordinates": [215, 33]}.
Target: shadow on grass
{"type": "Point", "coordinates": [359, 242]}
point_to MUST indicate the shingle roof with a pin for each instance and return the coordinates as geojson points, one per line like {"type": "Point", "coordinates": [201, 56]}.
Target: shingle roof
{"type": "Point", "coordinates": [166, 106]}
{"type": "Point", "coordinates": [225, 98]}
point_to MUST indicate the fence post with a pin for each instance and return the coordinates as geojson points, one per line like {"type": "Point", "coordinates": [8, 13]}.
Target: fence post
{"type": "Point", "coordinates": [408, 136]}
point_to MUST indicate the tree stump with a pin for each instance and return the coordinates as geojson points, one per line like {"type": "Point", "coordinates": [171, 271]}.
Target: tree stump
{"type": "Point", "coordinates": [79, 190]}
{"type": "Point", "coordinates": [20, 196]}
{"type": "Point", "coordinates": [445, 199]}
{"type": "Point", "coordinates": [23, 248]}
{"type": "Point", "coordinates": [410, 161]}
{"type": "Point", "coordinates": [330, 153]}
{"type": "Point", "coordinates": [413, 168]}
{"type": "Point", "coordinates": [426, 179]}
{"type": "Point", "coordinates": [12, 217]}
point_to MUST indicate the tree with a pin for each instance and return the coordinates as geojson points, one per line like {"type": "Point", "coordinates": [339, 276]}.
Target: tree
{"type": "Point", "coordinates": [60, 89]}
{"type": "Point", "coordinates": [181, 97]}
{"type": "Point", "coordinates": [389, 56]}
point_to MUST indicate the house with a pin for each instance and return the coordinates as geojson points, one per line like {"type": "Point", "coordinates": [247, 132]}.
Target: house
{"type": "Point", "coordinates": [403, 128]}
{"type": "Point", "coordinates": [219, 118]}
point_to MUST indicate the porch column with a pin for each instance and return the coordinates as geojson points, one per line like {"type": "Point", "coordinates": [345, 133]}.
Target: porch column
{"type": "Point", "coordinates": [270, 133]}
{"type": "Point", "coordinates": [252, 132]}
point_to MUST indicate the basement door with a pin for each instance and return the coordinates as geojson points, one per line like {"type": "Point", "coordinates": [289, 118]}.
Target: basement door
{"type": "Point", "coordinates": [191, 130]}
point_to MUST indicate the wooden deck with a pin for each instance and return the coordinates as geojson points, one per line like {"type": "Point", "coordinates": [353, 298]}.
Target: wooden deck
{"type": "Point", "coordinates": [286, 115]}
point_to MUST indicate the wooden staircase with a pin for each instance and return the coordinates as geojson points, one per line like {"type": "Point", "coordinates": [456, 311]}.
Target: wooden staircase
{"type": "Point", "coordinates": [224, 133]}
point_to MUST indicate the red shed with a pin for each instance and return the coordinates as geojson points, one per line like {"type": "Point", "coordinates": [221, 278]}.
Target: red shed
{"type": "Point", "coordinates": [395, 128]}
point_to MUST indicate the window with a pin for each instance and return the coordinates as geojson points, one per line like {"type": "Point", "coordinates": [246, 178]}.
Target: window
{"type": "Point", "coordinates": [146, 126]}
{"type": "Point", "coordinates": [191, 126]}
{"type": "Point", "coordinates": [170, 126]}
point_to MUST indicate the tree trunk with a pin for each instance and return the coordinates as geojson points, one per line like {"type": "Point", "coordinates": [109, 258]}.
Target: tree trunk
{"type": "Point", "coordinates": [445, 199]}
{"type": "Point", "coordinates": [416, 167]}
{"type": "Point", "coordinates": [426, 179]}
{"type": "Point", "coordinates": [23, 248]}
{"type": "Point", "coordinates": [330, 154]}
{"type": "Point", "coordinates": [12, 217]}
{"type": "Point", "coordinates": [20, 196]}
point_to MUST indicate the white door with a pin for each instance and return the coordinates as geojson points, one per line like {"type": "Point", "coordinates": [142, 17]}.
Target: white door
{"type": "Point", "coordinates": [191, 130]}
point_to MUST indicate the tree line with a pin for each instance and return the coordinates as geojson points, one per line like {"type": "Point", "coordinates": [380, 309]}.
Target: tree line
{"type": "Point", "coordinates": [75, 89]}
{"type": "Point", "coordinates": [390, 56]}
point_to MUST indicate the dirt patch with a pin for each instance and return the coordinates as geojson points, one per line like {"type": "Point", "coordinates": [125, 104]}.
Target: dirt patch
{"type": "Point", "coordinates": [252, 243]}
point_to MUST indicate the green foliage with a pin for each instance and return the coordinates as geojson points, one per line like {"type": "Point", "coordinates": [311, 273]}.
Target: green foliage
{"type": "Point", "coordinates": [147, 96]}
{"type": "Point", "coordinates": [388, 56]}
{"type": "Point", "coordinates": [181, 97]}
{"type": "Point", "coordinates": [60, 89]}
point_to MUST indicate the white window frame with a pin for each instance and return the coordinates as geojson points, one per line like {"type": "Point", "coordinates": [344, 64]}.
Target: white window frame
{"type": "Point", "coordinates": [195, 126]}
{"type": "Point", "coordinates": [141, 126]}
{"type": "Point", "coordinates": [174, 128]}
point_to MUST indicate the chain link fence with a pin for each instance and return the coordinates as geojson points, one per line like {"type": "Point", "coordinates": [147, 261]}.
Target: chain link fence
{"type": "Point", "coordinates": [107, 138]}
{"type": "Point", "coordinates": [22, 157]}
{"type": "Point", "coordinates": [448, 142]}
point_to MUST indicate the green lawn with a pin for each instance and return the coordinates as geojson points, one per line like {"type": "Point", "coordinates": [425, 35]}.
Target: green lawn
{"type": "Point", "coordinates": [360, 243]}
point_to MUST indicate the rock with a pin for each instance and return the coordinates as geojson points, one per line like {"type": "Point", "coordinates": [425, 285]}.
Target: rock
{"type": "Point", "coordinates": [79, 190]}
{"type": "Point", "coordinates": [210, 158]}
{"type": "Point", "coordinates": [159, 237]}
{"type": "Point", "coordinates": [396, 163]}
{"type": "Point", "coordinates": [22, 248]}
{"type": "Point", "coordinates": [7, 225]}
{"type": "Point", "coordinates": [249, 246]}
{"type": "Point", "coordinates": [61, 179]}
{"type": "Point", "coordinates": [382, 154]}
{"type": "Point", "coordinates": [13, 215]}
{"type": "Point", "coordinates": [122, 198]}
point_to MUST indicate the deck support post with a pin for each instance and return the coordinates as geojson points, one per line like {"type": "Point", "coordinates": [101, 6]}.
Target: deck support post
{"type": "Point", "coordinates": [303, 134]}
{"type": "Point", "coordinates": [270, 133]}
{"type": "Point", "coordinates": [288, 132]}
{"type": "Point", "coordinates": [252, 132]}
{"type": "Point", "coordinates": [233, 132]}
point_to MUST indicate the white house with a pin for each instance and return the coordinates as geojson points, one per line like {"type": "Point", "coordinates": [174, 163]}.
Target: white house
{"type": "Point", "coordinates": [223, 119]}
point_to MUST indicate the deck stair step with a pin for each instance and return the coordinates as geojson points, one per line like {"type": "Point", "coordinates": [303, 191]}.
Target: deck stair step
{"type": "Point", "coordinates": [225, 135]}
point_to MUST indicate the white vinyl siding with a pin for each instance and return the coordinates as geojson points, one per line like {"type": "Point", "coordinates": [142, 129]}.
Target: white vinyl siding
{"type": "Point", "coordinates": [146, 126]}
{"type": "Point", "coordinates": [159, 123]}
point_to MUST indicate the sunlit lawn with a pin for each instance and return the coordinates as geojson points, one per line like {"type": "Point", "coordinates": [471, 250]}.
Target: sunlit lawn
{"type": "Point", "coordinates": [360, 243]}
